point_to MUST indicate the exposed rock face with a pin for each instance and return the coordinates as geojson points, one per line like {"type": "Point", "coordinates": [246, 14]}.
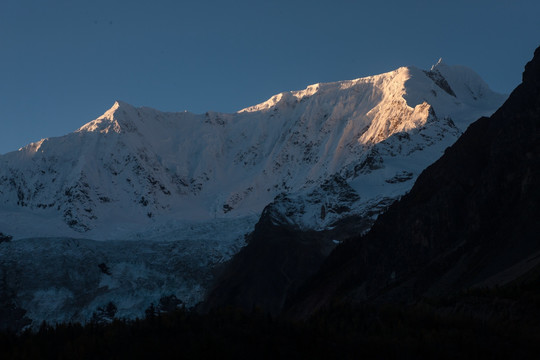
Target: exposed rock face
{"type": "Point", "coordinates": [278, 259]}
{"type": "Point", "coordinates": [471, 219]}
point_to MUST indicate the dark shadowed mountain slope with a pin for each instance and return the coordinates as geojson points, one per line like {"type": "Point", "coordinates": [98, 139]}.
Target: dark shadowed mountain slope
{"type": "Point", "coordinates": [471, 219]}
{"type": "Point", "coordinates": [276, 262]}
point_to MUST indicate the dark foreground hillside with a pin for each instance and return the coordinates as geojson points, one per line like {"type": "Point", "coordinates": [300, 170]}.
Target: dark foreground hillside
{"type": "Point", "coordinates": [437, 329]}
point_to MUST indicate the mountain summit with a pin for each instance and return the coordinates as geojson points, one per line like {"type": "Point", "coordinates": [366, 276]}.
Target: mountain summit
{"type": "Point", "coordinates": [135, 166]}
{"type": "Point", "coordinates": [175, 194]}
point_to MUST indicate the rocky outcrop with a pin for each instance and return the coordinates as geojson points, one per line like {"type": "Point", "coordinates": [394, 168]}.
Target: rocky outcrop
{"type": "Point", "coordinates": [278, 259]}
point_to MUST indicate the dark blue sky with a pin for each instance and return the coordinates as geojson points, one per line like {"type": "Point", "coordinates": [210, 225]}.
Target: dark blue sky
{"type": "Point", "coordinates": [65, 62]}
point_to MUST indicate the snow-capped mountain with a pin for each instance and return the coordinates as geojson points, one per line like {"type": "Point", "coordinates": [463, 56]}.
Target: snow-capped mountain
{"type": "Point", "coordinates": [315, 155]}
{"type": "Point", "coordinates": [133, 167]}
{"type": "Point", "coordinates": [467, 229]}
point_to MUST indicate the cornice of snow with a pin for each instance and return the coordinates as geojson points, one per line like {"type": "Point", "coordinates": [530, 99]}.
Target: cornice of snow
{"type": "Point", "coordinates": [289, 97]}
{"type": "Point", "coordinates": [408, 83]}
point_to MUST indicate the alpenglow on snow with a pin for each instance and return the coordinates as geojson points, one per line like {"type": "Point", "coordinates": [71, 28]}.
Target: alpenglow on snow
{"type": "Point", "coordinates": [311, 157]}
{"type": "Point", "coordinates": [134, 167]}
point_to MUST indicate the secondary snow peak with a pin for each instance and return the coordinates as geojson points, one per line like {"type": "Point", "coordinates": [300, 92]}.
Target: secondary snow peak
{"type": "Point", "coordinates": [118, 106]}
{"type": "Point", "coordinates": [120, 103]}
{"type": "Point", "coordinates": [119, 118]}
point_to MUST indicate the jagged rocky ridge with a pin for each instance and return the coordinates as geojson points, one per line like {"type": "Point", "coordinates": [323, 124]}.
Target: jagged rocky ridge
{"type": "Point", "coordinates": [317, 156]}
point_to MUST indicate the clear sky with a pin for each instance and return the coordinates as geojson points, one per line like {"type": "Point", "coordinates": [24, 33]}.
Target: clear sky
{"type": "Point", "coordinates": [64, 62]}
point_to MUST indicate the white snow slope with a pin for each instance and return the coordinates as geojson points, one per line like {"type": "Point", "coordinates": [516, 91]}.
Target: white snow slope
{"type": "Point", "coordinates": [142, 174]}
